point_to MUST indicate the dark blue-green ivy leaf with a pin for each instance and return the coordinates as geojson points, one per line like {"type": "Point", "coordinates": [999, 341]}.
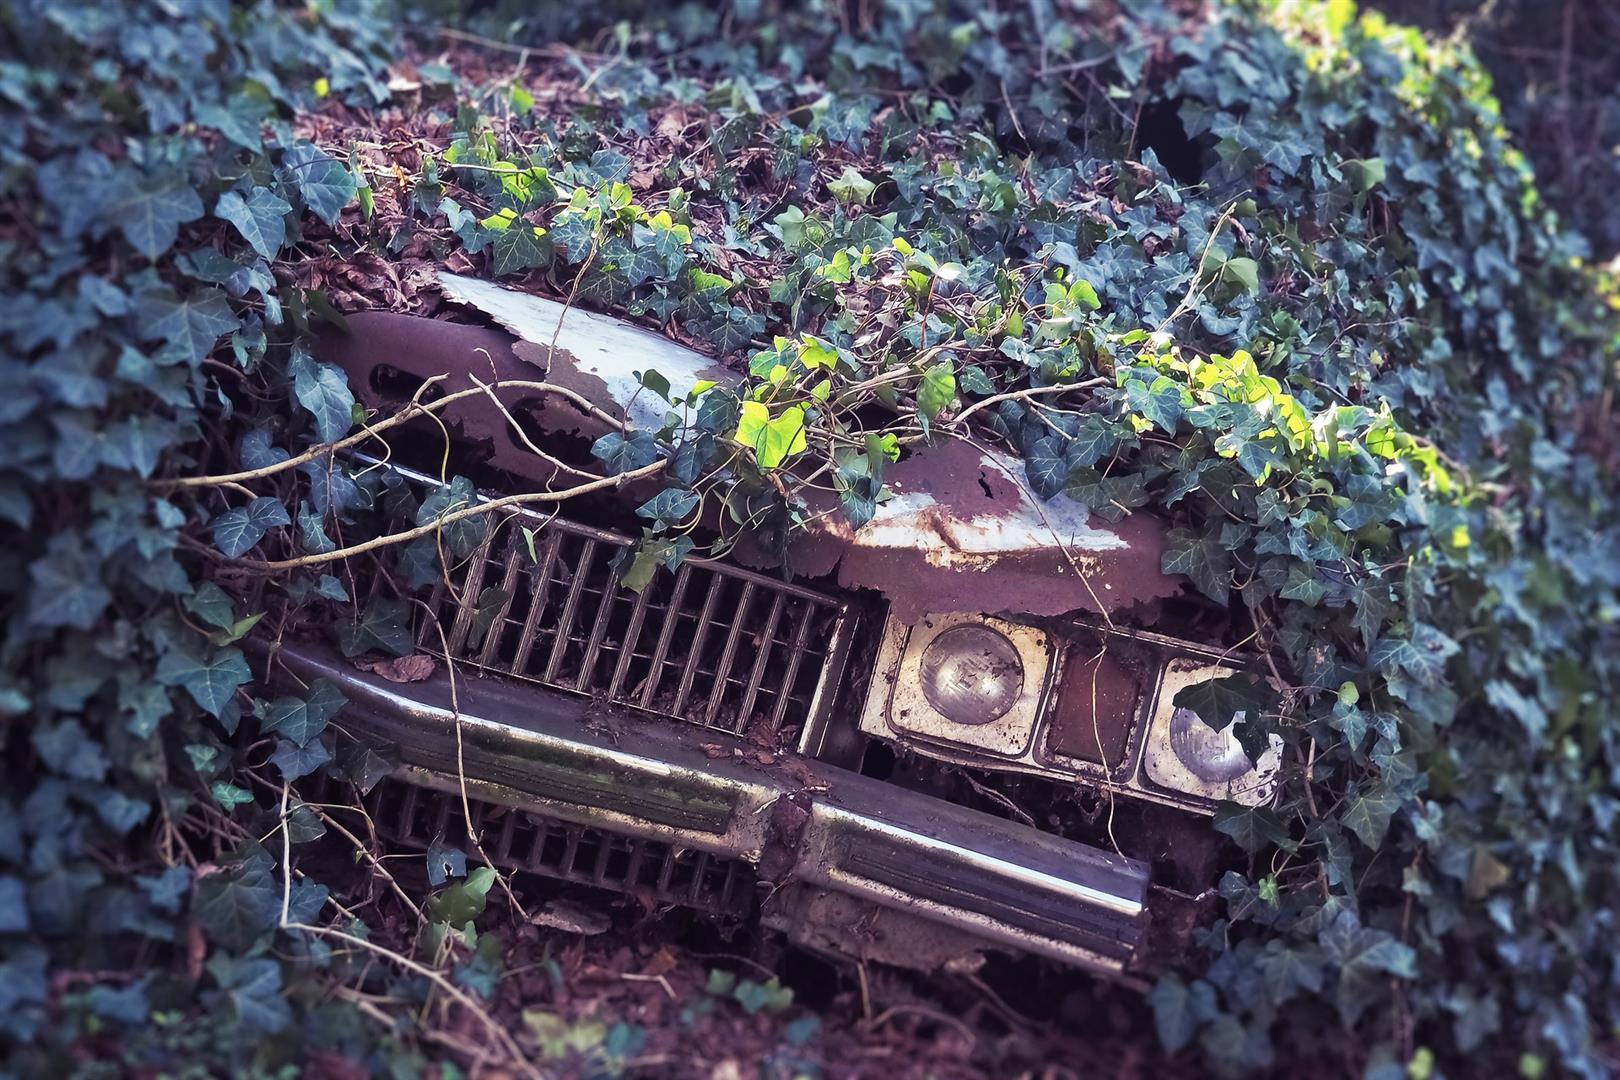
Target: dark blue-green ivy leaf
{"type": "Point", "coordinates": [152, 209]}
{"type": "Point", "coordinates": [261, 218]}
{"type": "Point", "coordinates": [1202, 560]}
{"type": "Point", "coordinates": [193, 323]}
{"type": "Point", "coordinates": [323, 389]}
{"type": "Point", "coordinates": [296, 761]}
{"type": "Point", "coordinates": [326, 186]}
{"type": "Point", "coordinates": [625, 453]}
{"type": "Point", "coordinates": [253, 987]}
{"type": "Point", "coordinates": [239, 528]}
{"type": "Point", "coordinates": [211, 683]}
{"type": "Point", "coordinates": [67, 589]}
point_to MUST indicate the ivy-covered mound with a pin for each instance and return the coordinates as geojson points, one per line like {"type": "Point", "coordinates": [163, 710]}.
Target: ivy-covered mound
{"type": "Point", "coordinates": [1271, 271]}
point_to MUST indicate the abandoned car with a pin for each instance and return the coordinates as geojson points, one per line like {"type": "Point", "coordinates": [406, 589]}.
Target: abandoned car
{"type": "Point", "coordinates": [951, 733]}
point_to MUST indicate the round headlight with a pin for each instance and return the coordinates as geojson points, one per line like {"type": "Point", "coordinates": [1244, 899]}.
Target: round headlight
{"type": "Point", "coordinates": [972, 674]}
{"type": "Point", "coordinates": [1213, 756]}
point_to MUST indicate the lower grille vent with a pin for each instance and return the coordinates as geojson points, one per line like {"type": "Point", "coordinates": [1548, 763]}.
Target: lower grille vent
{"type": "Point", "coordinates": [414, 816]}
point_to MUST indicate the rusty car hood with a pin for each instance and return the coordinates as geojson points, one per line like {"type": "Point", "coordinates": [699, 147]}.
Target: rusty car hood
{"type": "Point", "coordinates": [960, 530]}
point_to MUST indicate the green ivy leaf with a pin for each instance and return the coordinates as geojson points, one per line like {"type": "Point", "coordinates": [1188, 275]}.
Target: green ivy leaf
{"type": "Point", "coordinates": [1217, 702]}
{"type": "Point", "coordinates": [851, 186]}
{"type": "Point", "coordinates": [323, 389]}
{"type": "Point", "coordinates": [938, 389]}
{"type": "Point", "coordinates": [193, 324]}
{"type": "Point", "coordinates": [1253, 828]}
{"type": "Point", "coordinates": [459, 904]}
{"type": "Point", "coordinates": [1202, 559]}
{"type": "Point", "coordinates": [669, 507]}
{"type": "Point", "coordinates": [1368, 813]}
{"type": "Point", "coordinates": [625, 453]}
{"type": "Point", "coordinates": [155, 207]}
{"type": "Point", "coordinates": [260, 218]}
{"type": "Point", "coordinates": [212, 683]}
{"type": "Point", "coordinates": [238, 529]}
{"type": "Point", "coordinates": [303, 719]}
{"type": "Point", "coordinates": [327, 187]}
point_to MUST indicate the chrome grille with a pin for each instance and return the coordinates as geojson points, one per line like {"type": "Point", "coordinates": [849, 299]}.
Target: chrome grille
{"type": "Point", "coordinates": [713, 644]}
{"type": "Point", "coordinates": [415, 816]}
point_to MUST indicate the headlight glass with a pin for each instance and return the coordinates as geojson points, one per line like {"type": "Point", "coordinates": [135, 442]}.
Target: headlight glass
{"type": "Point", "coordinates": [1213, 756]}
{"type": "Point", "coordinates": [972, 674]}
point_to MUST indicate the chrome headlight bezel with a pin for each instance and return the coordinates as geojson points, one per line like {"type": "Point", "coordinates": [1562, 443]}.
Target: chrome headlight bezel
{"type": "Point", "coordinates": [1026, 738]}
{"type": "Point", "coordinates": [1166, 765]}
{"type": "Point", "coordinates": [898, 707]}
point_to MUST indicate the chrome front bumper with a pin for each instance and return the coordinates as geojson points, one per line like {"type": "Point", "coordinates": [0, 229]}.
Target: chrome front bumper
{"type": "Point", "coordinates": [571, 760]}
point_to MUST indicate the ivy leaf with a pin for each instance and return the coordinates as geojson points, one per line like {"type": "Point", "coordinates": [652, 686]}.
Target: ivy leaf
{"type": "Point", "coordinates": [518, 248]}
{"type": "Point", "coordinates": [460, 537]}
{"type": "Point", "coordinates": [252, 985]}
{"type": "Point", "coordinates": [260, 218]}
{"type": "Point", "coordinates": [212, 683]}
{"type": "Point", "coordinates": [67, 589]}
{"type": "Point", "coordinates": [444, 862]}
{"type": "Point", "coordinates": [1253, 828]}
{"type": "Point", "coordinates": [296, 761]}
{"type": "Point", "coordinates": [385, 626]}
{"type": "Point", "coordinates": [1046, 466]}
{"type": "Point", "coordinates": [1367, 958]}
{"type": "Point", "coordinates": [239, 528]}
{"type": "Point", "coordinates": [461, 903]}
{"type": "Point", "coordinates": [1244, 273]}
{"type": "Point", "coordinates": [1202, 559]}
{"type": "Point", "coordinates": [234, 907]}
{"type": "Point", "coordinates": [151, 214]}
{"type": "Point", "coordinates": [323, 389]}
{"type": "Point", "coordinates": [1218, 702]}
{"type": "Point", "coordinates": [1176, 1011]}
{"type": "Point", "coordinates": [363, 765]}
{"type": "Point", "coordinates": [193, 324]}
{"type": "Point", "coordinates": [303, 719]}
{"type": "Point", "coordinates": [1290, 969]}
{"type": "Point", "coordinates": [773, 439]}
{"type": "Point", "coordinates": [327, 187]}
{"type": "Point", "coordinates": [1161, 401]}
{"type": "Point", "coordinates": [937, 390]}
{"type": "Point", "coordinates": [625, 453]}
{"type": "Point", "coordinates": [1369, 811]}
{"type": "Point", "coordinates": [1095, 440]}
{"type": "Point", "coordinates": [851, 186]}
{"type": "Point", "coordinates": [669, 507]}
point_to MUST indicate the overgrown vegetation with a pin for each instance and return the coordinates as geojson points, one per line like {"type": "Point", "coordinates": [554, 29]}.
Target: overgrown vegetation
{"type": "Point", "coordinates": [1273, 271]}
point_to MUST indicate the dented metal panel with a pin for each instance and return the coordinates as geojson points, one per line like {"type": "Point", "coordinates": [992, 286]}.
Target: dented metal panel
{"type": "Point", "coordinates": [599, 356]}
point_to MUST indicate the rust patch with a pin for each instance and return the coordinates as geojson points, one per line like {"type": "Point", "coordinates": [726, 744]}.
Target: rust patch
{"type": "Point", "coordinates": [1095, 707]}
{"type": "Point", "coordinates": [962, 533]}
{"type": "Point", "coordinates": [381, 343]}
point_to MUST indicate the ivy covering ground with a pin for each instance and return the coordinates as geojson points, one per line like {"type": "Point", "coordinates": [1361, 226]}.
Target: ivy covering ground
{"type": "Point", "coordinates": [1271, 271]}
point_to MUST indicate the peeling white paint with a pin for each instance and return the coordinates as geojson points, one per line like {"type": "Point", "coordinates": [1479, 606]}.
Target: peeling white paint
{"type": "Point", "coordinates": [608, 349]}
{"type": "Point", "coordinates": [913, 518]}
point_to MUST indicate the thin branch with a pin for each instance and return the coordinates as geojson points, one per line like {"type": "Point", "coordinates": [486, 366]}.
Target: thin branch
{"type": "Point", "coordinates": [411, 411]}
{"type": "Point", "coordinates": [459, 515]}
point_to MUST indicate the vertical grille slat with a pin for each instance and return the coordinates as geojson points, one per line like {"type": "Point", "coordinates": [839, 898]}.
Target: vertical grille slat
{"type": "Point", "coordinates": [722, 670]}
{"type": "Point", "coordinates": [801, 638]}
{"type": "Point", "coordinates": [496, 630]}
{"type": "Point", "coordinates": [680, 646]}
{"type": "Point", "coordinates": [538, 594]}
{"type": "Point", "coordinates": [471, 585]}
{"type": "Point", "coordinates": [683, 578]}
{"type": "Point", "coordinates": [700, 635]}
{"type": "Point", "coordinates": [632, 638]}
{"type": "Point", "coordinates": [767, 641]}
{"type": "Point", "coordinates": [565, 622]}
